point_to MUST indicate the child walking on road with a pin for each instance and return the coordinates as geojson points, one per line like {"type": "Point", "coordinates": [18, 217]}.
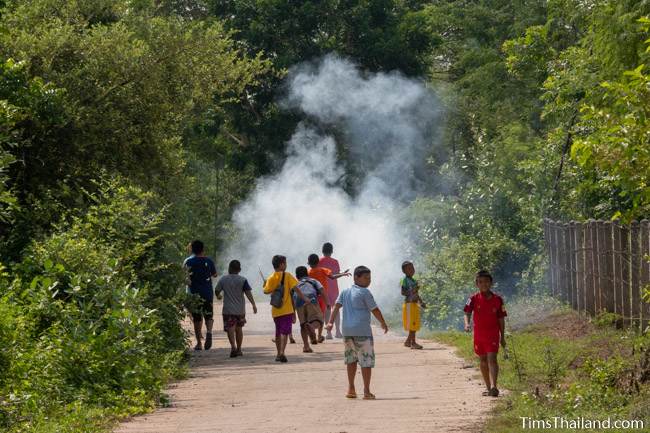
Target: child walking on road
{"type": "Point", "coordinates": [412, 304]}
{"type": "Point", "coordinates": [358, 303]}
{"type": "Point", "coordinates": [200, 271]}
{"type": "Point", "coordinates": [489, 327]}
{"type": "Point", "coordinates": [323, 276]}
{"type": "Point", "coordinates": [284, 314]}
{"type": "Point", "coordinates": [329, 262]}
{"type": "Point", "coordinates": [234, 287]}
{"type": "Point", "coordinates": [309, 313]}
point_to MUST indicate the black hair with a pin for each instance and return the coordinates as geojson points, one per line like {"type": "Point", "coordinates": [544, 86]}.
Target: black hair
{"type": "Point", "coordinates": [328, 248]}
{"type": "Point", "coordinates": [234, 267]}
{"type": "Point", "coordinates": [483, 273]}
{"type": "Point", "coordinates": [405, 264]}
{"type": "Point", "coordinates": [301, 272]}
{"type": "Point", "coordinates": [197, 247]}
{"type": "Point", "coordinates": [277, 260]}
{"type": "Point", "coordinates": [313, 260]}
{"type": "Point", "coordinates": [361, 270]}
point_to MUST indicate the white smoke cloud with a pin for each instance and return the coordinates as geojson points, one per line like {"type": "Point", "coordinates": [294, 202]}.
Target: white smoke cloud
{"type": "Point", "coordinates": [386, 123]}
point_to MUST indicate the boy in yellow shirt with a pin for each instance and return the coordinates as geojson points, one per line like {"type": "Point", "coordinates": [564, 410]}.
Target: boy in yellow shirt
{"type": "Point", "coordinates": [283, 316]}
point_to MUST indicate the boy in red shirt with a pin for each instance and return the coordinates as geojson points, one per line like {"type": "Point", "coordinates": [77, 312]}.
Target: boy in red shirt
{"type": "Point", "coordinates": [489, 328]}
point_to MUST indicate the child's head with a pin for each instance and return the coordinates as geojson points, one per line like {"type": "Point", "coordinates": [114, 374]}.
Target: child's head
{"type": "Point", "coordinates": [328, 249]}
{"type": "Point", "coordinates": [408, 268]}
{"type": "Point", "coordinates": [197, 247]}
{"type": "Point", "coordinates": [362, 276]}
{"type": "Point", "coordinates": [279, 263]}
{"type": "Point", "coordinates": [483, 281]}
{"type": "Point", "coordinates": [301, 272]}
{"type": "Point", "coordinates": [234, 267]}
{"type": "Point", "coordinates": [313, 260]}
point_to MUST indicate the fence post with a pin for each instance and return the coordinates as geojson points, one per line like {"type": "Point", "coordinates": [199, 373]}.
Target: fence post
{"type": "Point", "coordinates": [590, 268]}
{"type": "Point", "coordinates": [549, 250]}
{"type": "Point", "coordinates": [635, 274]}
{"type": "Point", "coordinates": [565, 249]}
{"type": "Point", "coordinates": [572, 266]}
{"type": "Point", "coordinates": [607, 289]}
{"type": "Point", "coordinates": [563, 241]}
{"type": "Point", "coordinates": [645, 270]}
{"type": "Point", "coordinates": [626, 258]}
{"type": "Point", "coordinates": [579, 230]}
{"type": "Point", "coordinates": [618, 269]}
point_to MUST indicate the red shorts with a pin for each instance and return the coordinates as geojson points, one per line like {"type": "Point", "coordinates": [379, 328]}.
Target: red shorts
{"type": "Point", "coordinates": [484, 344]}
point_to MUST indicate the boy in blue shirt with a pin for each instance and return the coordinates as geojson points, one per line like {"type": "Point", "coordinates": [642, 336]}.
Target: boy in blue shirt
{"type": "Point", "coordinates": [357, 303]}
{"type": "Point", "coordinates": [200, 271]}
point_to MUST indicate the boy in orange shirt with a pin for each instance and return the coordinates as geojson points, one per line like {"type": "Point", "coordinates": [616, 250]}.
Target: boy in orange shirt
{"type": "Point", "coordinates": [489, 327]}
{"type": "Point", "coordinates": [323, 276]}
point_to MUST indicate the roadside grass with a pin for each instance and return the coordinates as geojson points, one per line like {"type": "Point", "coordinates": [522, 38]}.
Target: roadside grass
{"type": "Point", "coordinates": [567, 366]}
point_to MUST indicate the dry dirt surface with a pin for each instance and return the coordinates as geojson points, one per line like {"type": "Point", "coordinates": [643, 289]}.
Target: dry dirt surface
{"type": "Point", "coordinates": [430, 390]}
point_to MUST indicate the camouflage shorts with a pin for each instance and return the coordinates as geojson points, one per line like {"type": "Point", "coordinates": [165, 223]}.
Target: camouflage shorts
{"type": "Point", "coordinates": [361, 350]}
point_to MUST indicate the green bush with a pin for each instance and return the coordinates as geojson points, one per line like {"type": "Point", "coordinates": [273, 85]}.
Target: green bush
{"type": "Point", "coordinates": [92, 316]}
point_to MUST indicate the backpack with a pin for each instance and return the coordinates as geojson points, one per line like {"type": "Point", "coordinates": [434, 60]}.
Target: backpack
{"type": "Point", "coordinates": [277, 297]}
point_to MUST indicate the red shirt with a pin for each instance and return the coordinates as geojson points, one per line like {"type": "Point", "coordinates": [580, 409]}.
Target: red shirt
{"type": "Point", "coordinates": [487, 312]}
{"type": "Point", "coordinates": [332, 265]}
{"type": "Point", "coordinates": [322, 275]}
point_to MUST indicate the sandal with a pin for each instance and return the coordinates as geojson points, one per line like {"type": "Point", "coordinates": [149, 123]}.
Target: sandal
{"type": "Point", "coordinates": [494, 392]}
{"type": "Point", "coordinates": [407, 344]}
{"type": "Point", "coordinates": [239, 353]}
{"type": "Point", "coordinates": [198, 346]}
{"type": "Point", "coordinates": [233, 354]}
{"type": "Point", "coordinates": [416, 346]}
{"type": "Point", "coordinates": [369, 396]}
{"type": "Point", "coordinates": [351, 395]}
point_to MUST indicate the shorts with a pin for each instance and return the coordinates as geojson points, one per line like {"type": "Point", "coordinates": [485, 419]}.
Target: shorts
{"type": "Point", "coordinates": [310, 313]}
{"type": "Point", "coordinates": [484, 344]}
{"type": "Point", "coordinates": [411, 316]}
{"type": "Point", "coordinates": [203, 311]}
{"type": "Point", "coordinates": [283, 324]}
{"type": "Point", "coordinates": [361, 350]}
{"type": "Point", "coordinates": [233, 321]}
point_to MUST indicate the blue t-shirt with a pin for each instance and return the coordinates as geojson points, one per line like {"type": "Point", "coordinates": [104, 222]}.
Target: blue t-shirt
{"type": "Point", "coordinates": [200, 271]}
{"type": "Point", "coordinates": [357, 303]}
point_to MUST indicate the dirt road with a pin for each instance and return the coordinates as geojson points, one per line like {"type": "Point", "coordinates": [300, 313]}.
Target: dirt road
{"type": "Point", "coordinates": [431, 390]}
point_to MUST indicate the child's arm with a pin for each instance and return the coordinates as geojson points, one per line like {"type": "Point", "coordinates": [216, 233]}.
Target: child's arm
{"type": "Point", "coordinates": [405, 290]}
{"type": "Point", "coordinates": [249, 295]}
{"type": "Point", "coordinates": [468, 318]}
{"type": "Point", "coordinates": [335, 313]}
{"type": "Point", "coordinates": [502, 327]}
{"type": "Point", "coordinates": [377, 313]}
{"type": "Point", "coordinates": [339, 275]}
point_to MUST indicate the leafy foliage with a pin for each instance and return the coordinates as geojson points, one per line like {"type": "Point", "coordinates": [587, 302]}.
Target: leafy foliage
{"type": "Point", "coordinates": [91, 319]}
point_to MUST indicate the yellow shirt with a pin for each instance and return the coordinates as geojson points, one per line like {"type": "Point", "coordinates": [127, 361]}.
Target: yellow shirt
{"type": "Point", "coordinates": [272, 282]}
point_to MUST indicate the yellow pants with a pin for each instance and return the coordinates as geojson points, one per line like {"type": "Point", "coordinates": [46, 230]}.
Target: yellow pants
{"type": "Point", "coordinates": [411, 316]}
